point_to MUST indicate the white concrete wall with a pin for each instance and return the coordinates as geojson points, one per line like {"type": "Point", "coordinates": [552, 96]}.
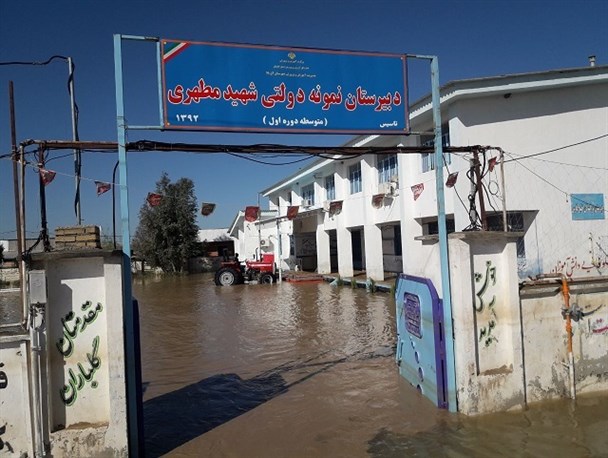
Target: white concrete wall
{"type": "Point", "coordinates": [545, 339]}
{"type": "Point", "coordinates": [16, 433]}
{"type": "Point", "coordinates": [534, 122]}
{"type": "Point", "coordinates": [85, 363]}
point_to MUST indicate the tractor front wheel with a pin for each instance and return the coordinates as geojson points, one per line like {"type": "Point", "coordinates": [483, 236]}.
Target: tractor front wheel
{"type": "Point", "coordinates": [227, 277]}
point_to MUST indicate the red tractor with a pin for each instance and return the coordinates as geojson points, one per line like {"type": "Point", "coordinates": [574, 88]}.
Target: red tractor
{"type": "Point", "coordinates": [233, 272]}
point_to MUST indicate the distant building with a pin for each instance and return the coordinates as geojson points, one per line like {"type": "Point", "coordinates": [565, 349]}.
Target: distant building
{"type": "Point", "coordinates": [254, 237]}
{"type": "Point", "coordinates": [361, 213]}
{"type": "Point", "coordinates": [217, 242]}
{"type": "Point", "coordinates": [11, 251]}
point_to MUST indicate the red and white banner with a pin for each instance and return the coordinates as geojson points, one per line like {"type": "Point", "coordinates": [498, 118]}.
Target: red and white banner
{"type": "Point", "coordinates": [154, 199]}
{"type": "Point", "coordinates": [46, 176]}
{"type": "Point", "coordinates": [451, 181]}
{"type": "Point", "coordinates": [102, 187]}
{"type": "Point", "coordinates": [492, 163]}
{"type": "Point", "coordinates": [252, 213]}
{"type": "Point", "coordinates": [292, 211]}
{"type": "Point", "coordinates": [207, 208]}
{"type": "Point", "coordinates": [417, 190]}
{"type": "Point", "coordinates": [377, 200]}
{"type": "Point", "coordinates": [335, 207]}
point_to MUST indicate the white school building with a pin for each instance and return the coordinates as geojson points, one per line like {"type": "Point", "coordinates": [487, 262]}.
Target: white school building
{"type": "Point", "coordinates": [378, 212]}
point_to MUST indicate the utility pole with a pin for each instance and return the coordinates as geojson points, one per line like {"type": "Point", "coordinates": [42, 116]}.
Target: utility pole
{"type": "Point", "coordinates": [19, 214]}
{"type": "Point", "coordinates": [77, 163]}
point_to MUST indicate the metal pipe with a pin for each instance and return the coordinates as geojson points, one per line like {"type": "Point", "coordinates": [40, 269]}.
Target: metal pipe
{"type": "Point", "coordinates": [279, 251]}
{"type": "Point", "coordinates": [44, 232]}
{"type": "Point", "coordinates": [36, 350]}
{"type": "Point", "coordinates": [133, 393]}
{"type": "Point", "coordinates": [443, 239]}
{"type": "Point", "coordinates": [22, 266]}
{"type": "Point", "coordinates": [479, 189]}
{"type": "Point", "coordinates": [566, 294]}
{"type": "Point", "coordinates": [504, 190]}
{"type": "Point", "coordinates": [114, 203]}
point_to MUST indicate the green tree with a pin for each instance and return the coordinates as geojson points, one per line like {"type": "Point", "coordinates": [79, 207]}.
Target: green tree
{"type": "Point", "coordinates": [167, 233]}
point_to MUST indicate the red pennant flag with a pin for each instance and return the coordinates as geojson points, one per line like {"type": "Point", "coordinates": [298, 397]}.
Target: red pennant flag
{"type": "Point", "coordinates": [492, 163]}
{"type": "Point", "coordinates": [377, 200]}
{"type": "Point", "coordinates": [252, 213]}
{"type": "Point", "coordinates": [451, 181]}
{"type": "Point", "coordinates": [102, 187]}
{"type": "Point", "coordinates": [335, 207]}
{"type": "Point", "coordinates": [207, 208]}
{"type": "Point", "coordinates": [417, 190]}
{"type": "Point", "coordinates": [154, 199]}
{"type": "Point", "coordinates": [292, 211]}
{"type": "Point", "coordinates": [46, 176]}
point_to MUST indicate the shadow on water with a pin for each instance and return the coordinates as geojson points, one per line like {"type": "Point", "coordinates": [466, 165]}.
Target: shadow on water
{"type": "Point", "coordinates": [172, 419]}
{"type": "Point", "coordinates": [175, 418]}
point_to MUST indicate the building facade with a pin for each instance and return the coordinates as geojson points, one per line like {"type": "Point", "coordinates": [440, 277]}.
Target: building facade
{"type": "Point", "coordinates": [546, 170]}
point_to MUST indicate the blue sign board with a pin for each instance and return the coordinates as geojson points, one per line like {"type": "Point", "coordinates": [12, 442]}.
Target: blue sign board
{"type": "Point", "coordinates": [229, 87]}
{"type": "Point", "coordinates": [587, 206]}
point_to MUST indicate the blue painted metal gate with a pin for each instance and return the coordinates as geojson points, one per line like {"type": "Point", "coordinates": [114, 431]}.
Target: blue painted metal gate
{"type": "Point", "coordinates": [421, 347]}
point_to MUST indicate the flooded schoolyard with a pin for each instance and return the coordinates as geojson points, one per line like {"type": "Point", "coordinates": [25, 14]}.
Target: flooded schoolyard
{"type": "Point", "coordinates": [308, 370]}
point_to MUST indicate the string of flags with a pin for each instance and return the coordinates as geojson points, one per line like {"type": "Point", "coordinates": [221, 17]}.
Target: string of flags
{"type": "Point", "coordinates": [154, 199]}
{"type": "Point", "coordinates": [252, 213]}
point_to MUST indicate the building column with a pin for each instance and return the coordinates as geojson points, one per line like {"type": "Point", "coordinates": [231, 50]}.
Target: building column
{"type": "Point", "coordinates": [345, 252]}
{"type": "Point", "coordinates": [323, 255]}
{"type": "Point", "coordinates": [374, 262]}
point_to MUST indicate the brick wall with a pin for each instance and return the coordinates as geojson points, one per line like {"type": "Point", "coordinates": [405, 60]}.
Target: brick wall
{"type": "Point", "coordinates": [77, 238]}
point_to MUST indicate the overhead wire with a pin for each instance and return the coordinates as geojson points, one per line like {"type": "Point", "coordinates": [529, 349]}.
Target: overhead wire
{"type": "Point", "coordinates": [582, 142]}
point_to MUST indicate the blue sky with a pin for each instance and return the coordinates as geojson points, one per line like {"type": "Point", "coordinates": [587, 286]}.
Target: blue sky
{"type": "Point", "coordinates": [471, 38]}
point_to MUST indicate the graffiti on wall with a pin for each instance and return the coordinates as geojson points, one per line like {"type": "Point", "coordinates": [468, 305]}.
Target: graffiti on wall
{"type": "Point", "coordinates": [571, 265]}
{"type": "Point", "coordinates": [3, 377]}
{"type": "Point", "coordinates": [484, 300]}
{"type": "Point", "coordinates": [83, 373]}
{"type": "Point", "coordinates": [3, 385]}
{"type": "Point", "coordinates": [598, 326]}
{"type": "Point", "coordinates": [4, 443]}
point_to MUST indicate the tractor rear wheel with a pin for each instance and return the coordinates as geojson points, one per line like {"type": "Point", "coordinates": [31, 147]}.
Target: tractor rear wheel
{"type": "Point", "coordinates": [227, 277]}
{"type": "Point", "coordinates": [267, 279]}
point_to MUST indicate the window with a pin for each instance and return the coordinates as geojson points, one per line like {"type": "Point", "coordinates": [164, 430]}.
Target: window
{"type": "Point", "coordinates": [515, 223]}
{"type": "Point", "coordinates": [387, 167]}
{"type": "Point", "coordinates": [308, 193]}
{"type": "Point", "coordinates": [354, 175]}
{"type": "Point", "coordinates": [428, 159]}
{"type": "Point", "coordinates": [288, 197]}
{"type": "Point", "coordinates": [330, 188]}
{"type": "Point", "coordinates": [432, 228]}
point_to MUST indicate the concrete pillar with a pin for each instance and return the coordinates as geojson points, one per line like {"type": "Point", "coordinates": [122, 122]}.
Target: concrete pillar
{"type": "Point", "coordinates": [323, 256]}
{"type": "Point", "coordinates": [83, 368]}
{"type": "Point", "coordinates": [487, 327]}
{"type": "Point", "coordinates": [345, 252]}
{"type": "Point", "coordinates": [374, 264]}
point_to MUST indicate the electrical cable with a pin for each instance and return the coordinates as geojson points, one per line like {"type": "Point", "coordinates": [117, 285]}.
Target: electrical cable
{"type": "Point", "coordinates": [46, 62]}
{"type": "Point", "coordinates": [529, 156]}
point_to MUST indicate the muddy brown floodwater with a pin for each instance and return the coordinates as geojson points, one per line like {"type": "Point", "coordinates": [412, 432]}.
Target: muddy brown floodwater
{"type": "Point", "coordinates": [308, 370]}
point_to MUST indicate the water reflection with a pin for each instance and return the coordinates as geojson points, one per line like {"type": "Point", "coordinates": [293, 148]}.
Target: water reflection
{"type": "Point", "coordinates": [308, 370]}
